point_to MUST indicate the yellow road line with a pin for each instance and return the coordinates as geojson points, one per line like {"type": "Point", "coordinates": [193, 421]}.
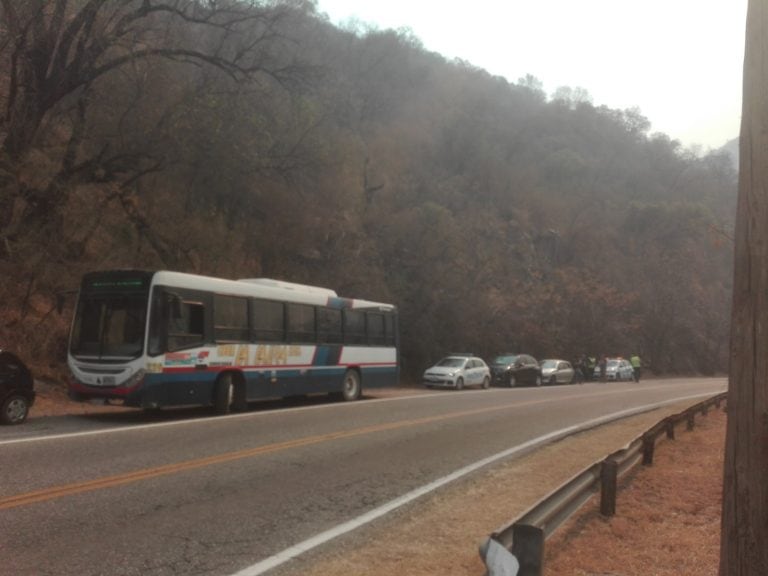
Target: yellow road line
{"type": "Point", "coordinates": [56, 492]}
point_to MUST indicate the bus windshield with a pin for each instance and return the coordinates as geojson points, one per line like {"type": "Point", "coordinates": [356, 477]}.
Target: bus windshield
{"type": "Point", "coordinates": [109, 326]}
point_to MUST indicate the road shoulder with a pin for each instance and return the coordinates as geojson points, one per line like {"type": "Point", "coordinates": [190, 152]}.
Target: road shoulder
{"type": "Point", "coordinates": [441, 533]}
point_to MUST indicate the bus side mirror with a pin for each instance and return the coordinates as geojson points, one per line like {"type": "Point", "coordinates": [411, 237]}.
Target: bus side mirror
{"type": "Point", "coordinates": [61, 298]}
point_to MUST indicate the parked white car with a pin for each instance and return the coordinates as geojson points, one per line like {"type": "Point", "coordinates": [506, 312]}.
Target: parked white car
{"type": "Point", "coordinates": [616, 369]}
{"type": "Point", "coordinates": [457, 371]}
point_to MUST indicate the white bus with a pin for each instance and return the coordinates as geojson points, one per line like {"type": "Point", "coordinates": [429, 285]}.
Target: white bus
{"type": "Point", "coordinates": [156, 339]}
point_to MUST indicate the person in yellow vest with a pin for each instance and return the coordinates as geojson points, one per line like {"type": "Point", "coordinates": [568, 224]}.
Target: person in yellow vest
{"type": "Point", "coordinates": [634, 360]}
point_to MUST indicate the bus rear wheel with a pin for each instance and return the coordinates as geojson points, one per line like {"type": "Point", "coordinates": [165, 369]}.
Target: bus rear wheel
{"type": "Point", "coordinates": [351, 388]}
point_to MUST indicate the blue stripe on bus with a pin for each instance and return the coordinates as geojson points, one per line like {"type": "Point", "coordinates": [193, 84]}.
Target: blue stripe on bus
{"type": "Point", "coordinates": [196, 387]}
{"type": "Point", "coordinates": [327, 355]}
{"type": "Point", "coordinates": [210, 375]}
{"type": "Point", "coordinates": [339, 303]}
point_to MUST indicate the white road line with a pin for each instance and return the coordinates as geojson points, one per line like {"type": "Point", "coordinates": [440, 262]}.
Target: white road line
{"type": "Point", "coordinates": [298, 549]}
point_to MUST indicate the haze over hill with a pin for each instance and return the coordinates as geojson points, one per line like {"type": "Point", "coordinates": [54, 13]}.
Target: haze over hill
{"type": "Point", "coordinates": [686, 79]}
{"type": "Point", "coordinates": [276, 144]}
{"type": "Point", "coordinates": [732, 149]}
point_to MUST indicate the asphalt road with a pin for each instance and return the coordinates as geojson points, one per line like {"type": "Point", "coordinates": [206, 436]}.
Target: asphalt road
{"type": "Point", "coordinates": [185, 493]}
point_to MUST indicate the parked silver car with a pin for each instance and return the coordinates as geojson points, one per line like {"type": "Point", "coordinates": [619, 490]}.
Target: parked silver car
{"type": "Point", "coordinates": [457, 371]}
{"type": "Point", "coordinates": [554, 371]}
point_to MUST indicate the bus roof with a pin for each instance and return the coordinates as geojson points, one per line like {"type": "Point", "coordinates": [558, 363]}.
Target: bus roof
{"type": "Point", "coordinates": [259, 288]}
{"type": "Point", "coordinates": [289, 286]}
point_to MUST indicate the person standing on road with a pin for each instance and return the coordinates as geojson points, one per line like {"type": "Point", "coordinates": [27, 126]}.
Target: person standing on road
{"type": "Point", "coordinates": [636, 366]}
{"type": "Point", "coordinates": [580, 368]}
{"type": "Point", "coordinates": [591, 365]}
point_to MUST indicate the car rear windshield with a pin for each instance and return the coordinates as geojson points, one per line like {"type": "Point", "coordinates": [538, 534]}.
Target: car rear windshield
{"type": "Point", "coordinates": [505, 359]}
{"type": "Point", "coordinates": [451, 362]}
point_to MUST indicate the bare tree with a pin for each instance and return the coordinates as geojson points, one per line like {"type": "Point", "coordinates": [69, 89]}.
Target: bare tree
{"type": "Point", "coordinates": [56, 53]}
{"type": "Point", "coordinates": [745, 495]}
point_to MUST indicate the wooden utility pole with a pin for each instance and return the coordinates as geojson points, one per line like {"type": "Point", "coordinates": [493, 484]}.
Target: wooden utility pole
{"type": "Point", "coordinates": [744, 537]}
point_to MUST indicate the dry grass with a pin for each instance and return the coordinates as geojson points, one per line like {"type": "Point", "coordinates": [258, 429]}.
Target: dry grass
{"type": "Point", "coordinates": [52, 400]}
{"type": "Point", "coordinates": [668, 515]}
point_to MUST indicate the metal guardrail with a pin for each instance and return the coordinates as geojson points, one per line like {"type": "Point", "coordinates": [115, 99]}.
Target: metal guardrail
{"type": "Point", "coordinates": [524, 537]}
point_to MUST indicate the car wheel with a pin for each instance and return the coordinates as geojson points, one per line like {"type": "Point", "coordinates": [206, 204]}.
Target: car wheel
{"type": "Point", "coordinates": [15, 409]}
{"type": "Point", "coordinates": [552, 380]}
{"type": "Point", "coordinates": [486, 383]}
{"type": "Point", "coordinates": [460, 383]}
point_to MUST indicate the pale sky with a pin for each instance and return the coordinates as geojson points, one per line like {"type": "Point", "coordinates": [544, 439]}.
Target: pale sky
{"type": "Point", "coordinates": [679, 61]}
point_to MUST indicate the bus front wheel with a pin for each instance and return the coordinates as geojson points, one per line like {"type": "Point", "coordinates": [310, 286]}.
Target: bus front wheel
{"type": "Point", "coordinates": [222, 394]}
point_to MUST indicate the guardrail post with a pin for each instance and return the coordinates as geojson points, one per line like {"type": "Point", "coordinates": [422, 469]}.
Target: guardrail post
{"type": "Point", "coordinates": [649, 443]}
{"type": "Point", "coordinates": [528, 548]}
{"type": "Point", "coordinates": [609, 474]}
{"type": "Point", "coordinates": [704, 409]}
{"type": "Point", "coordinates": [691, 420]}
{"type": "Point", "coordinates": [669, 425]}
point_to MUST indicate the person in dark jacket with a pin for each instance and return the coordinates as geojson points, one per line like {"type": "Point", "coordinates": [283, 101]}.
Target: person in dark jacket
{"type": "Point", "coordinates": [601, 366]}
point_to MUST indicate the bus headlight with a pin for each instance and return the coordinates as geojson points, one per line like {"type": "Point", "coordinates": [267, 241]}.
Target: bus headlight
{"type": "Point", "coordinates": [135, 379]}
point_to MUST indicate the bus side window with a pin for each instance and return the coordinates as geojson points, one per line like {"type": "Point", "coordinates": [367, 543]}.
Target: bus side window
{"type": "Point", "coordinates": [375, 328]}
{"type": "Point", "coordinates": [268, 321]}
{"type": "Point", "coordinates": [230, 318]}
{"type": "Point", "coordinates": [300, 323]}
{"type": "Point", "coordinates": [329, 326]}
{"type": "Point", "coordinates": [354, 327]}
{"type": "Point", "coordinates": [389, 330]}
{"type": "Point", "coordinates": [186, 323]}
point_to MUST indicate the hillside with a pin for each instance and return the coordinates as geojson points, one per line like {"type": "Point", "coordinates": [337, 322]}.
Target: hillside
{"type": "Point", "coordinates": [260, 140]}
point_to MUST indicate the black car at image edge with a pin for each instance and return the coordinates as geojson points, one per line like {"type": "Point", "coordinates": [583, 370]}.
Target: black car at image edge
{"type": "Point", "coordinates": [17, 392]}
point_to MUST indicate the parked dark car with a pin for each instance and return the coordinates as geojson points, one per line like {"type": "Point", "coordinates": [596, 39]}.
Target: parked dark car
{"type": "Point", "coordinates": [513, 369]}
{"type": "Point", "coordinates": [17, 392]}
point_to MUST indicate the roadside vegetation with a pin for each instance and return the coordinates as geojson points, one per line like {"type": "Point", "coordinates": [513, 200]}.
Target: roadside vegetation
{"type": "Point", "coordinates": [244, 139]}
